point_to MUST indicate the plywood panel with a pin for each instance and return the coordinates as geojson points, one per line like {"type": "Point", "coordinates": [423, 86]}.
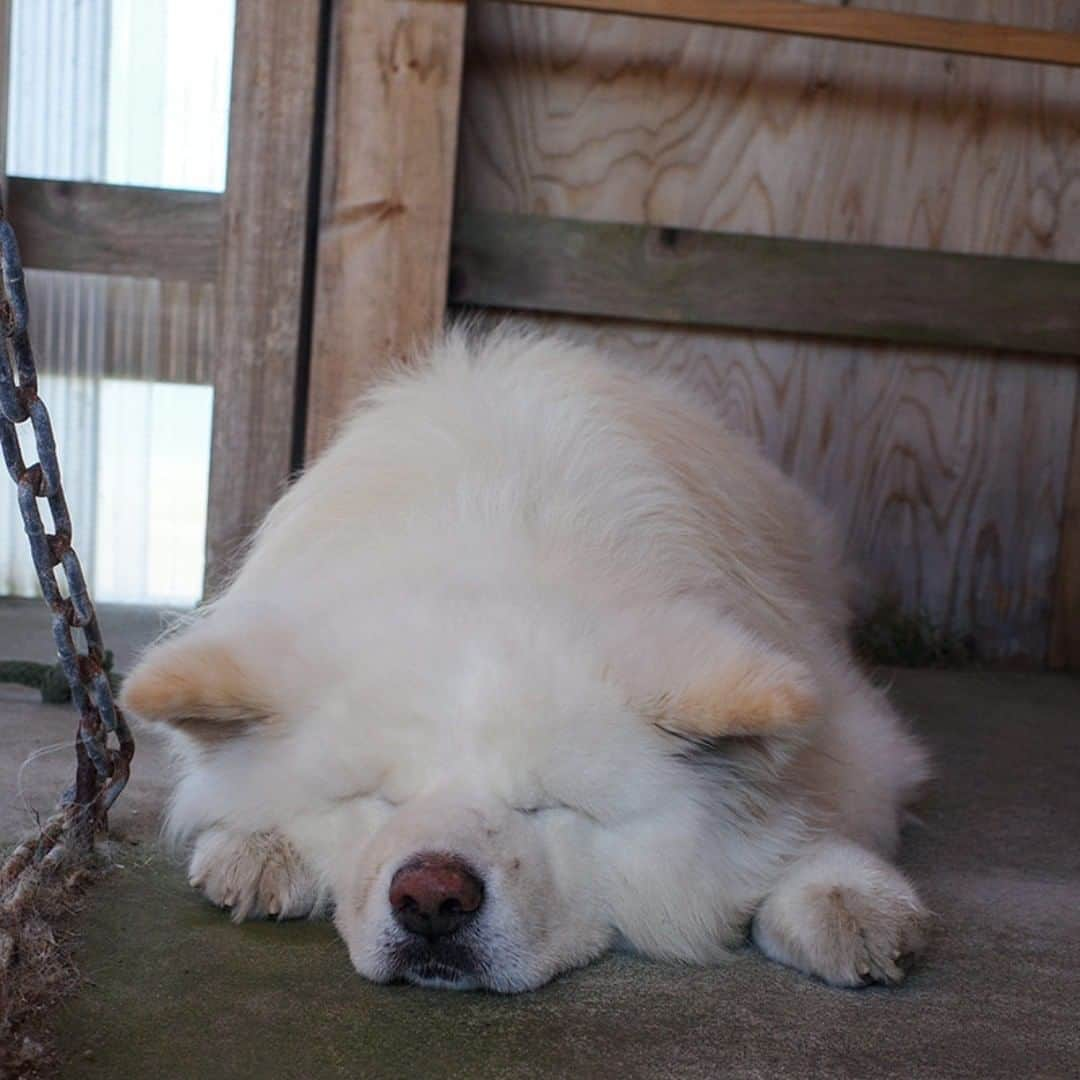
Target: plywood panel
{"type": "Point", "coordinates": [627, 120]}
{"type": "Point", "coordinates": [946, 469]}
{"type": "Point", "coordinates": [387, 194]}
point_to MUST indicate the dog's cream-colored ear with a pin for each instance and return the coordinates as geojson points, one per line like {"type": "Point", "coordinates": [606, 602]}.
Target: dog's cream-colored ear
{"type": "Point", "coordinates": [197, 685]}
{"type": "Point", "coordinates": [733, 684]}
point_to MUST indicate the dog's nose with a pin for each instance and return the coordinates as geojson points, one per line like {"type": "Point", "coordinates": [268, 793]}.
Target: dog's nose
{"type": "Point", "coordinates": [434, 895]}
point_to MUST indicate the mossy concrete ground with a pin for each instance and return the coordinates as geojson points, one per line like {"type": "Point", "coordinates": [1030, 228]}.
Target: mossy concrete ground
{"type": "Point", "coordinates": [175, 990]}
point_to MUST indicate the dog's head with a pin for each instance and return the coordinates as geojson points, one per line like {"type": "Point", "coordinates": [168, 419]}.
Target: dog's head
{"type": "Point", "coordinates": [491, 797]}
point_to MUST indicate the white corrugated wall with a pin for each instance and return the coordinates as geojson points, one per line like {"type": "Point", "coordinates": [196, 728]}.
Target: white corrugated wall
{"type": "Point", "coordinates": [123, 91]}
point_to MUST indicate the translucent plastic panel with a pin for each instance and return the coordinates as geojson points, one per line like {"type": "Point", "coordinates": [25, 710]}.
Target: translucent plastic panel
{"type": "Point", "coordinates": [136, 482]}
{"type": "Point", "coordinates": [127, 92]}
{"type": "Point", "coordinates": [154, 455]}
{"type": "Point", "coordinates": [121, 91]}
{"type": "Point", "coordinates": [170, 63]}
{"type": "Point", "coordinates": [58, 89]}
{"type": "Point", "coordinates": [117, 357]}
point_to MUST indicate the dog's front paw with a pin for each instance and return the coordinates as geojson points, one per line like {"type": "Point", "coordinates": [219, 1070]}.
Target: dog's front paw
{"type": "Point", "coordinates": [846, 916]}
{"type": "Point", "coordinates": [255, 875]}
{"type": "Point", "coordinates": [853, 937]}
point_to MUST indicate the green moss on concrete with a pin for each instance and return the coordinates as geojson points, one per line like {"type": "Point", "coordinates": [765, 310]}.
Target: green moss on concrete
{"type": "Point", "coordinates": [185, 993]}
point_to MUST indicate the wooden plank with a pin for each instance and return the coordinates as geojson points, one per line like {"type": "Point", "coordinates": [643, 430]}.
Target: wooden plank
{"type": "Point", "coordinates": [388, 176]}
{"type": "Point", "coordinates": [1065, 628]}
{"type": "Point", "coordinates": [611, 119]}
{"type": "Point", "coordinates": [695, 278]}
{"type": "Point", "coordinates": [117, 229]}
{"type": "Point", "coordinates": [263, 269]}
{"type": "Point", "coordinates": [851, 24]}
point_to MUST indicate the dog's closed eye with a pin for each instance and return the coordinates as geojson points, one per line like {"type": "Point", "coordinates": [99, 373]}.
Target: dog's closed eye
{"type": "Point", "coordinates": [546, 803]}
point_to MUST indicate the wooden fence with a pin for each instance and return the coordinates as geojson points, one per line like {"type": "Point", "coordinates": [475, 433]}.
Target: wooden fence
{"type": "Point", "coordinates": [337, 245]}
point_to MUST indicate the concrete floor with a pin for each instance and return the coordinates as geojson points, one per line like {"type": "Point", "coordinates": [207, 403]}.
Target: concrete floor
{"type": "Point", "coordinates": [38, 758]}
{"type": "Point", "coordinates": [175, 990]}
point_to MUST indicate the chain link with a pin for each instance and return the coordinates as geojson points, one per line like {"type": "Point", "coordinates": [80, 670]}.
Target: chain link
{"type": "Point", "coordinates": [104, 745]}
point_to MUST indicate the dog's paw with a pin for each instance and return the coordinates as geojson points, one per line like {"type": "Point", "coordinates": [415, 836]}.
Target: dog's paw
{"type": "Point", "coordinates": [854, 937]}
{"type": "Point", "coordinates": [255, 875]}
{"type": "Point", "coordinates": [846, 916]}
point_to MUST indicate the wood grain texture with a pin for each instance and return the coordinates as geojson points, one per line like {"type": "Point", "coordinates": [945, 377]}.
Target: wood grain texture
{"type": "Point", "coordinates": [117, 229]}
{"type": "Point", "coordinates": [946, 469]}
{"type": "Point", "coordinates": [275, 75]}
{"type": "Point", "coordinates": [851, 24]}
{"type": "Point", "coordinates": [694, 278]}
{"type": "Point", "coordinates": [388, 175]}
{"type": "Point", "coordinates": [624, 120]}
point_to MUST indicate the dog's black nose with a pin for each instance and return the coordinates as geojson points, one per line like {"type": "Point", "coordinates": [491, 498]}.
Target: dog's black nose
{"type": "Point", "coordinates": [433, 895]}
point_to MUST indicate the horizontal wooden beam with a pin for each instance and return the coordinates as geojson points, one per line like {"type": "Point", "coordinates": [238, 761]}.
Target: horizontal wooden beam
{"type": "Point", "coordinates": [851, 24]}
{"type": "Point", "coordinates": [116, 229]}
{"type": "Point", "coordinates": [614, 270]}
{"type": "Point", "coordinates": [693, 278]}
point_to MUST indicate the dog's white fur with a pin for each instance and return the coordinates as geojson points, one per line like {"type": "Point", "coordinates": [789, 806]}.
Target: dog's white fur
{"type": "Point", "coordinates": [552, 618]}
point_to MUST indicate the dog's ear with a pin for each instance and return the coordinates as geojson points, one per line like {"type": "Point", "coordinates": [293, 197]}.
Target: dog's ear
{"type": "Point", "coordinates": [724, 682]}
{"type": "Point", "coordinates": [759, 692]}
{"type": "Point", "coordinates": [197, 684]}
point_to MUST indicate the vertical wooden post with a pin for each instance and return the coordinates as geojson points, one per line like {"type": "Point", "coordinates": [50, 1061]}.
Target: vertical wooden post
{"type": "Point", "coordinates": [263, 265]}
{"type": "Point", "coordinates": [1065, 626]}
{"type": "Point", "coordinates": [387, 194]}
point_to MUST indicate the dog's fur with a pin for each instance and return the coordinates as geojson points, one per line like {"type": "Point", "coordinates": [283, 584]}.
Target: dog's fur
{"type": "Point", "coordinates": [553, 619]}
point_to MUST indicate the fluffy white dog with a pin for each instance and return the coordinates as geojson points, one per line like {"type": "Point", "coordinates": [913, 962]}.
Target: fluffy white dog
{"type": "Point", "coordinates": [539, 659]}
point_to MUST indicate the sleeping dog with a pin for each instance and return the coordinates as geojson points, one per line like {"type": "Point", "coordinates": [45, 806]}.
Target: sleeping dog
{"type": "Point", "coordinates": [539, 659]}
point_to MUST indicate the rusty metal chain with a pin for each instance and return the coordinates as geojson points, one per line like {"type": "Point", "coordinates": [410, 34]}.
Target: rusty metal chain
{"type": "Point", "coordinates": [104, 745]}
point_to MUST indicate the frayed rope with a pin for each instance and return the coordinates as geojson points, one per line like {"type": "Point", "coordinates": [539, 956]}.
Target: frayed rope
{"type": "Point", "coordinates": [39, 881]}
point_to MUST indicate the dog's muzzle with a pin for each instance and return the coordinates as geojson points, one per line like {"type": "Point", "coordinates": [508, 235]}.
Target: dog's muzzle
{"type": "Point", "coordinates": [435, 899]}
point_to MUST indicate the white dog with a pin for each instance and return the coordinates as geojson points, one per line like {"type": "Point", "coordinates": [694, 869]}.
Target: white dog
{"type": "Point", "coordinates": [539, 659]}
